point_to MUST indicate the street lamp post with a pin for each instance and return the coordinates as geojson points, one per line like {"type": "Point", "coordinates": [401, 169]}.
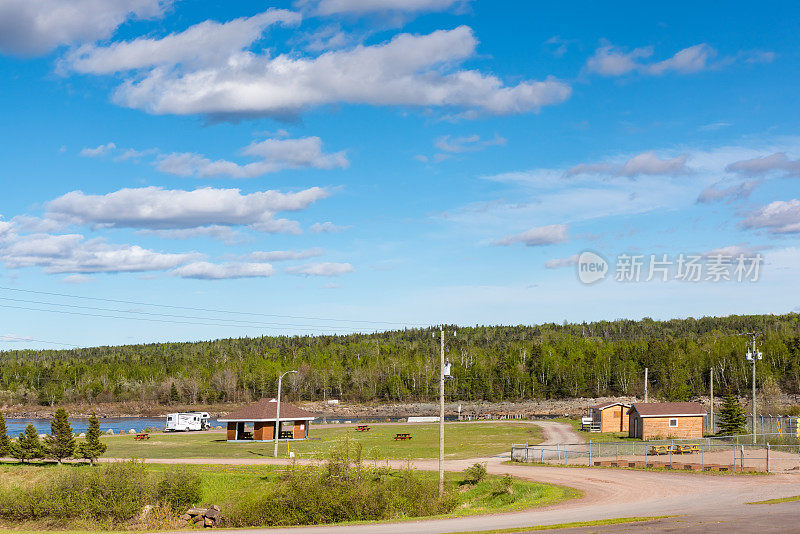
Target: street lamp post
{"type": "Point", "coordinates": [278, 414]}
{"type": "Point", "coordinates": [753, 356]}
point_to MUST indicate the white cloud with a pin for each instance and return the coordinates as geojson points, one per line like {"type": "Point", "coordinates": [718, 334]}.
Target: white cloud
{"type": "Point", "coordinates": [778, 162]}
{"type": "Point", "coordinates": [649, 163]}
{"type": "Point", "coordinates": [778, 217]}
{"type": "Point", "coordinates": [223, 233]}
{"type": "Point", "coordinates": [610, 60]}
{"type": "Point", "coordinates": [409, 70]}
{"type": "Point", "coordinates": [101, 150]}
{"type": "Point", "coordinates": [541, 235]}
{"type": "Point", "coordinates": [72, 253]}
{"type": "Point", "coordinates": [469, 143]}
{"type": "Point", "coordinates": [360, 7]}
{"type": "Point", "coordinates": [733, 251]}
{"type": "Point", "coordinates": [206, 43]}
{"type": "Point", "coordinates": [276, 154]}
{"type": "Point", "coordinates": [157, 208]}
{"type": "Point", "coordinates": [646, 163]}
{"type": "Point", "coordinates": [558, 263]}
{"type": "Point", "coordinates": [321, 269]}
{"type": "Point", "coordinates": [327, 227]}
{"type": "Point", "coordinates": [285, 255]}
{"type": "Point", "coordinates": [213, 271]}
{"type": "Point", "coordinates": [76, 279]}
{"type": "Point", "coordinates": [33, 27]}
{"type": "Point", "coordinates": [715, 193]}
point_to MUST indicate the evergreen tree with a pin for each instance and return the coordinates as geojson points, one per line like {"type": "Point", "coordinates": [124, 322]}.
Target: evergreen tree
{"type": "Point", "coordinates": [60, 443]}
{"type": "Point", "coordinates": [174, 396]}
{"type": "Point", "coordinates": [5, 441]}
{"type": "Point", "coordinates": [731, 416]}
{"type": "Point", "coordinates": [92, 448]}
{"type": "Point", "coordinates": [27, 447]}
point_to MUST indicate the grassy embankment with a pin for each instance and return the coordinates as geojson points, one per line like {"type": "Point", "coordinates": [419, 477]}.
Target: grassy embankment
{"type": "Point", "coordinates": [225, 485]}
{"type": "Point", "coordinates": [462, 440]}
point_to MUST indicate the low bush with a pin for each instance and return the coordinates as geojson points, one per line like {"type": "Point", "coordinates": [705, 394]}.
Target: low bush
{"type": "Point", "coordinates": [110, 494]}
{"type": "Point", "coordinates": [345, 489]}
{"type": "Point", "coordinates": [179, 489]}
{"type": "Point", "coordinates": [475, 473]}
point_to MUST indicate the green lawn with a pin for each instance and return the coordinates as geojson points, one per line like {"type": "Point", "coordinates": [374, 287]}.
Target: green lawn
{"type": "Point", "coordinates": [462, 440]}
{"type": "Point", "coordinates": [778, 501]}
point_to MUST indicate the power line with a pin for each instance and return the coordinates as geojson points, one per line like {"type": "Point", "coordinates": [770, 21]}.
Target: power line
{"type": "Point", "coordinates": [159, 320]}
{"type": "Point", "coordinates": [154, 314]}
{"type": "Point", "coordinates": [14, 339]}
{"type": "Point", "coordinates": [332, 319]}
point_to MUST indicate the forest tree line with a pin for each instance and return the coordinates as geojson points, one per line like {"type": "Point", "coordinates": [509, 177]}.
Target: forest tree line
{"type": "Point", "coordinates": [488, 363]}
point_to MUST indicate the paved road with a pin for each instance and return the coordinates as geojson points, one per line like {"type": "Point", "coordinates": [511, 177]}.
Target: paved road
{"type": "Point", "coordinates": [706, 503]}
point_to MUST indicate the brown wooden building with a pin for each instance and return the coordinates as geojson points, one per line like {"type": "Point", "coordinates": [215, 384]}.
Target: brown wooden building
{"type": "Point", "coordinates": [665, 420]}
{"type": "Point", "coordinates": [610, 417]}
{"type": "Point", "coordinates": [256, 422]}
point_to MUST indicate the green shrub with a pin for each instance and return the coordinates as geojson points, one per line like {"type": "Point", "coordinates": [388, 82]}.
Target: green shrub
{"type": "Point", "coordinates": [475, 473]}
{"type": "Point", "coordinates": [502, 486]}
{"type": "Point", "coordinates": [344, 489]}
{"type": "Point", "coordinates": [179, 489]}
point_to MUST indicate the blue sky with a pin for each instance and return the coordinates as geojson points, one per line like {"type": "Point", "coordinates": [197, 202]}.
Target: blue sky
{"type": "Point", "coordinates": [372, 164]}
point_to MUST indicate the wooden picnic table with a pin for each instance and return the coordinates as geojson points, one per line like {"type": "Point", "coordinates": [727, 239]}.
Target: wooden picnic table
{"type": "Point", "coordinates": [363, 428]}
{"type": "Point", "coordinates": [141, 437]}
{"type": "Point", "coordinates": [402, 436]}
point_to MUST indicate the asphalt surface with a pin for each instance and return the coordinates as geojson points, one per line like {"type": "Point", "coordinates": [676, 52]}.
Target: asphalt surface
{"type": "Point", "coordinates": [702, 502]}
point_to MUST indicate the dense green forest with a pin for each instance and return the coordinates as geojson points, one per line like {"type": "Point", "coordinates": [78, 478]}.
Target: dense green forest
{"type": "Point", "coordinates": [489, 363]}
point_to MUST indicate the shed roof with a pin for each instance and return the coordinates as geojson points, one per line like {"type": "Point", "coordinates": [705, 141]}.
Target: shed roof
{"type": "Point", "coordinates": [266, 410]}
{"type": "Point", "coordinates": [663, 409]}
{"type": "Point", "coordinates": [609, 405]}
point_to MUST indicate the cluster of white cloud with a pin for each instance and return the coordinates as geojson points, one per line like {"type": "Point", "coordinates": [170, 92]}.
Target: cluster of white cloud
{"type": "Point", "coordinates": [778, 162]}
{"type": "Point", "coordinates": [203, 270]}
{"type": "Point", "coordinates": [449, 145]}
{"type": "Point", "coordinates": [646, 163]}
{"type": "Point", "coordinates": [273, 154]}
{"type": "Point", "coordinates": [360, 7]}
{"type": "Point", "coordinates": [277, 154]}
{"type": "Point", "coordinates": [33, 27]}
{"type": "Point", "coordinates": [158, 208]}
{"type": "Point", "coordinates": [321, 269]}
{"type": "Point", "coordinates": [178, 76]}
{"type": "Point", "coordinates": [285, 255]}
{"type": "Point", "coordinates": [540, 235]}
{"type": "Point", "coordinates": [778, 217]}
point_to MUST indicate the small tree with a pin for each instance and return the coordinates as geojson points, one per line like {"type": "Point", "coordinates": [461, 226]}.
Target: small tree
{"type": "Point", "coordinates": [5, 441]}
{"type": "Point", "coordinates": [731, 416]}
{"type": "Point", "coordinates": [61, 442]}
{"type": "Point", "coordinates": [174, 396]}
{"type": "Point", "coordinates": [27, 447]}
{"type": "Point", "coordinates": [92, 448]}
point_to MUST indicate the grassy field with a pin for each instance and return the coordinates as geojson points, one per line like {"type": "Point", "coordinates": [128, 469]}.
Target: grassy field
{"type": "Point", "coordinates": [595, 437]}
{"type": "Point", "coordinates": [220, 483]}
{"type": "Point", "coordinates": [462, 440]}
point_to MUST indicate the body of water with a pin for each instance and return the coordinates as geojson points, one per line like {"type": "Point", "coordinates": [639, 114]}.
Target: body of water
{"type": "Point", "coordinates": [116, 424]}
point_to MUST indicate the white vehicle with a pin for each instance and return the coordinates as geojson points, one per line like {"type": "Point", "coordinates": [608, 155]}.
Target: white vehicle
{"type": "Point", "coordinates": [188, 421]}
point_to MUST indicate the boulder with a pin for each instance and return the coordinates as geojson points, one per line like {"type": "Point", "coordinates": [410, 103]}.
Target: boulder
{"type": "Point", "coordinates": [196, 511]}
{"type": "Point", "coordinates": [212, 514]}
{"type": "Point", "coordinates": [208, 522]}
{"type": "Point", "coordinates": [215, 507]}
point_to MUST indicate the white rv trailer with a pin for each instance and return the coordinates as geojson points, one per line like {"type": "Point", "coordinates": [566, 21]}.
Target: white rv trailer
{"type": "Point", "coordinates": [185, 422]}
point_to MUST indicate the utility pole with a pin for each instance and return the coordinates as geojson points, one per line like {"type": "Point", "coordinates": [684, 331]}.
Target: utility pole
{"type": "Point", "coordinates": [752, 356]}
{"type": "Point", "coordinates": [278, 414]}
{"type": "Point", "coordinates": [645, 384]}
{"type": "Point", "coordinates": [441, 413]}
{"type": "Point", "coordinates": [711, 379]}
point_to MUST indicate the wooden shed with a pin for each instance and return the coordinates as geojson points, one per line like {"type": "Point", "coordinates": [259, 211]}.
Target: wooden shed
{"type": "Point", "coordinates": [610, 417]}
{"type": "Point", "coordinates": [257, 422]}
{"type": "Point", "coordinates": [665, 420]}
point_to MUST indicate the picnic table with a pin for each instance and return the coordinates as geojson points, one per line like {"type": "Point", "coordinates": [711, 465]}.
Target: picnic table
{"type": "Point", "coordinates": [362, 428]}
{"type": "Point", "coordinates": [140, 437]}
{"type": "Point", "coordinates": [659, 449]}
{"type": "Point", "coordinates": [675, 449]}
{"type": "Point", "coordinates": [402, 436]}
{"type": "Point", "coordinates": [286, 434]}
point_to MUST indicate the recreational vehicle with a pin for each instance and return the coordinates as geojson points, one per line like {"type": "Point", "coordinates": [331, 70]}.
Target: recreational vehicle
{"type": "Point", "coordinates": [184, 422]}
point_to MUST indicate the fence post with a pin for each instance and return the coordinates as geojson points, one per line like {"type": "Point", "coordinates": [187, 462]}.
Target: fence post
{"type": "Point", "coordinates": [702, 458]}
{"type": "Point", "coordinates": [670, 456]}
{"type": "Point", "coordinates": [527, 450]}
{"type": "Point", "coordinates": [741, 459]}
{"type": "Point", "coordinates": [542, 449]}
{"type": "Point", "coordinates": [590, 453]}
{"type": "Point", "coordinates": [767, 457]}
{"type": "Point", "coordinates": [558, 449]}
{"type": "Point", "coordinates": [617, 454]}
{"type": "Point", "coordinates": [645, 456]}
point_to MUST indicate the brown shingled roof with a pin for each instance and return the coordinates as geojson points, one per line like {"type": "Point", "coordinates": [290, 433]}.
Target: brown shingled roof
{"type": "Point", "coordinates": [654, 409]}
{"type": "Point", "coordinates": [265, 410]}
